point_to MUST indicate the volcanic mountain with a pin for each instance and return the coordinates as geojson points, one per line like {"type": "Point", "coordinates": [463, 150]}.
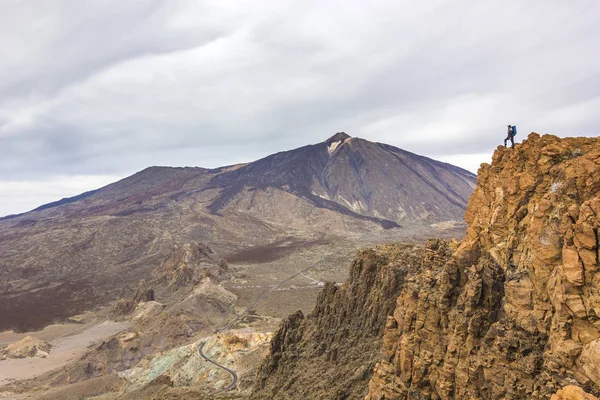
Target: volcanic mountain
{"type": "Point", "coordinates": [358, 178]}
{"type": "Point", "coordinates": [80, 252]}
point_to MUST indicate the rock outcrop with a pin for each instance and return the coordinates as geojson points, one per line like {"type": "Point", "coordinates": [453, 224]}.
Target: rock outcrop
{"type": "Point", "coordinates": [515, 312]}
{"type": "Point", "coordinates": [331, 352]}
{"type": "Point", "coordinates": [195, 304]}
{"type": "Point", "coordinates": [143, 292]}
{"type": "Point", "coordinates": [189, 264]}
{"type": "Point", "coordinates": [29, 346]}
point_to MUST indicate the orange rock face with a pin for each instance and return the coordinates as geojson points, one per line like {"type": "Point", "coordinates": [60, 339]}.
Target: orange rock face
{"type": "Point", "coordinates": [572, 393]}
{"type": "Point", "coordinates": [515, 312]}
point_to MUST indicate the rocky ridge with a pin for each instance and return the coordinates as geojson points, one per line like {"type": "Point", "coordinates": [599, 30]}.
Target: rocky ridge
{"type": "Point", "coordinates": [330, 353]}
{"type": "Point", "coordinates": [514, 313]}
{"type": "Point", "coordinates": [194, 304]}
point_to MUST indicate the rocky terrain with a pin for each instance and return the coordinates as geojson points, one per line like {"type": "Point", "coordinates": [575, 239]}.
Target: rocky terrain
{"type": "Point", "coordinates": [27, 347]}
{"type": "Point", "coordinates": [165, 321]}
{"type": "Point", "coordinates": [331, 352]}
{"type": "Point", "coordinates": [510, 312]}
{"type": "Point", "coordinates": [147, 257]}
{"type": "Point", "coordinates": [84, 252]}
{"type": "Point", "coordinates": [513, 313]}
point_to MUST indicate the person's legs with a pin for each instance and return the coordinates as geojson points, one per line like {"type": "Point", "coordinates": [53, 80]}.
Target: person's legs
{"type": "Point", "coordinates": [512, 141]}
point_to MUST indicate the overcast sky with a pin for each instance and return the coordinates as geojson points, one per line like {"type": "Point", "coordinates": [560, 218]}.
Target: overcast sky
{"type": "Point", "coordinates": [92, 91]}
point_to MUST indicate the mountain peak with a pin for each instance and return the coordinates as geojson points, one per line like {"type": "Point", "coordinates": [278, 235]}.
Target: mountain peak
{"type": "Point", "coordinates": [337, 137]}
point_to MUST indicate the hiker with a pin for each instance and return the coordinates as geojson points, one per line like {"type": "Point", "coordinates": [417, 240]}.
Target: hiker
{"type": "Point", "coordinates": [512, 131]}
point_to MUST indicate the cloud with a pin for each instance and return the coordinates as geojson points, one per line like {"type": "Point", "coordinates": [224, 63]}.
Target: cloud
{"type": "Point", "coordinates": [20, 196]}
{"type": "Point", "coordinates": [101, 88]}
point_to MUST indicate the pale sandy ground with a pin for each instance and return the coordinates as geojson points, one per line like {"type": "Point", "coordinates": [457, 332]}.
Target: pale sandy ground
{"type": "Point", "coordinates": [68, 340]}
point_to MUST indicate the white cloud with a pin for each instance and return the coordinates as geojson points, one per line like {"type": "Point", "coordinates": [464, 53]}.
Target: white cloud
{"type": "Point", "coordinates": [20, 196]}
{"type": "Point", "coordinates": [470, 162]}
{"type": "Point", "coordinates": [108, 88]}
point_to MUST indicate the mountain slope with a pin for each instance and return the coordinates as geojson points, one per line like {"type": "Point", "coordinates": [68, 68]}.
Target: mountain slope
{"type": "Point", "coordinates": [358, 177]}
{"type": "Point", "coordinates": [80, 252]}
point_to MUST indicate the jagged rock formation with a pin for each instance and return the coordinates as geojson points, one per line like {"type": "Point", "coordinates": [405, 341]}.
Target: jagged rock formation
{"type": "Point", "coordinates": [29, 346]}
{"type": "Point", "coordinates": [330, 353]}
{"type": "Point", "coordinates": [125, 306]}
{"type": "Point", "coordinates": [196, 304]}
{"type": "Point", "coordinates": [515, 312]}
{"type": "Point", "coordinates": [81, 252]}
{"type": "Point", "coordinates": [190, 264]}
{"type": "Point", "coordinates": [184, 267]}
{"type": "Point", "coordinates": [155, 328]}
{"type": "Point", "coordinates": [143, 292]}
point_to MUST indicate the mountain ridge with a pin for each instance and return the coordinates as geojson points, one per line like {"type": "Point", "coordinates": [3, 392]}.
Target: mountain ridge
{"type": "Point", "coordinates": [280, 177]}
{"type": "Point", "coordinates": [334, 191]}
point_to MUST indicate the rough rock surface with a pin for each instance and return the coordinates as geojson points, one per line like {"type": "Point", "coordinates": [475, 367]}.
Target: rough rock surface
{"type": "Point", "coordinates": [515, 312]}
{"type": "Point", "coordinates": [572, 393]}
{"type": "Point", "coordinates": [143, 293]}
{"type": "Point", "coordinates": [188, 264]}
{"type": "Point", "coordinates": [330, 353]}
{"type": "Point", "coordinates": [29, 346]}
{"type": "Point", "coordinates": [184, 367]}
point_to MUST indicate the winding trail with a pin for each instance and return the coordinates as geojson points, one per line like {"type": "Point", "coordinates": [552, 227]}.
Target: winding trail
{"type": "Point", "coordinates": [231, 372]}
{"type": "Point", "coordinates": [238, 317]}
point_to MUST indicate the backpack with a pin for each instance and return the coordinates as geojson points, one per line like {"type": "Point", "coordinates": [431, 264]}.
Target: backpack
{"type": "Point", "coordinates": [514, 129]}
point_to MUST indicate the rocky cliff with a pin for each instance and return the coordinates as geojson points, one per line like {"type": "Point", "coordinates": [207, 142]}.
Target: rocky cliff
{"type": "Point", "coordinates": [330, 353]}
{"type": "Point", "coordinates": [514, 313]}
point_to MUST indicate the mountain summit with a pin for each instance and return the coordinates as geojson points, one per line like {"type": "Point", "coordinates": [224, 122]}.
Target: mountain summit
{"type": "Point", "coordinates": [357, 177]}
{"type": "Point", "coordinates": [80, 252]}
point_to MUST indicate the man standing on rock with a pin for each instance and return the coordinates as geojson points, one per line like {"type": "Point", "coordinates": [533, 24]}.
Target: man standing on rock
{"type": "Point", "coordinates": [510, 136]}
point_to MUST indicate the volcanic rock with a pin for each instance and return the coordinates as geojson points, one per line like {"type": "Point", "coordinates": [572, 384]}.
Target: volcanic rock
{"type": "Point", "coordinates": [29, 346]}
{"type": "Point", "coordinates": [330, 353]}
{"type": "Point", "coordinates": [515, 312]}
{"type": "Point", "coordinates": [143, 292]}
{"type": "Point", "coordinates": [572, 393]}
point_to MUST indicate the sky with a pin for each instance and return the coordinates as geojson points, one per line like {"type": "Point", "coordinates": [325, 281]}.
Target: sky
{"type": "Point", "coordinates": [93, 91]}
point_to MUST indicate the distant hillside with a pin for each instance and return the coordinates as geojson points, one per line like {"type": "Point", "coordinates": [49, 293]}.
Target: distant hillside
{"type": "Point", "coordinates": [82, 251]}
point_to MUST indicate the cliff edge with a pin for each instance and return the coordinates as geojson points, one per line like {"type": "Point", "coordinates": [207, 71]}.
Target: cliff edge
{"type": "Point", "coordinates": [330, 354]}
{"type": "Point", "coordinates": [515, 311]}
